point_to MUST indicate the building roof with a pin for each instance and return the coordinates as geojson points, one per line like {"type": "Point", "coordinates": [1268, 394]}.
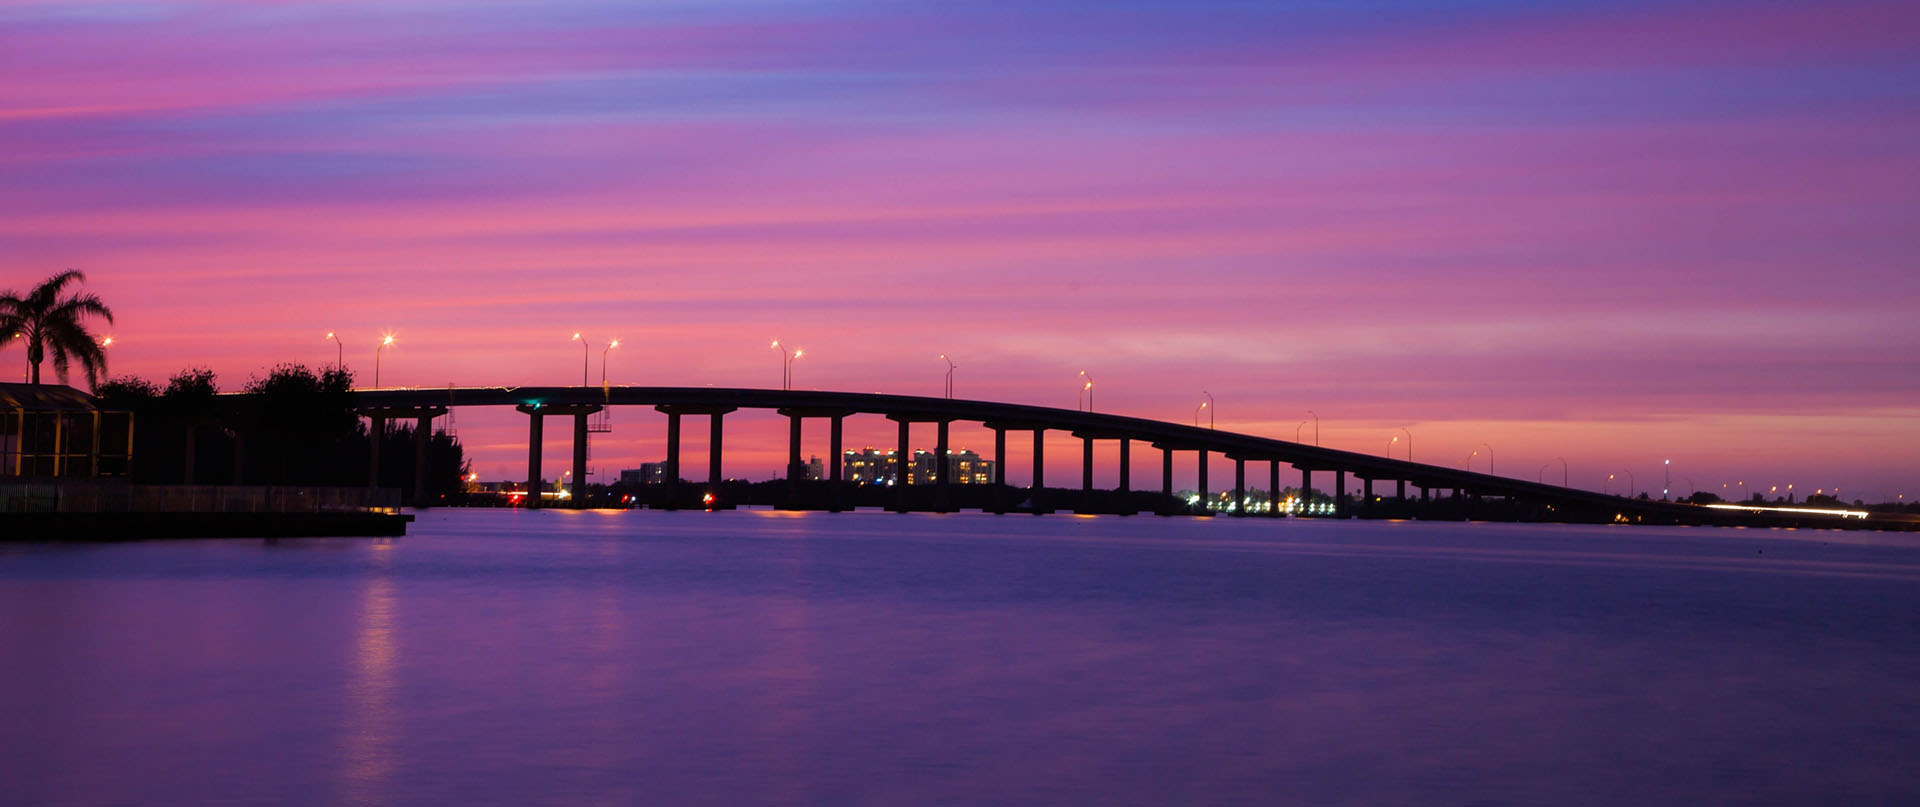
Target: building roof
{"type": "Point", "coordinates": [45, 397]}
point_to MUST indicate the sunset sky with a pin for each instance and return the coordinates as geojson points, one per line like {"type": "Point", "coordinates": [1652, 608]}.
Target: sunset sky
{"type": "Point", "coordinates": [1615, 232]}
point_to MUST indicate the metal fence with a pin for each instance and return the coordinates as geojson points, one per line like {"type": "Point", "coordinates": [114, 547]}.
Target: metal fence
{"type": "Point", "coordinates": [95, 497]}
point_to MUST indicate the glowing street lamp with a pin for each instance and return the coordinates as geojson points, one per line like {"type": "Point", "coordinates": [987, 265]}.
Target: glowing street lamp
{"type": "Point", "coordinates": [339, 352]}
{"type": "Point", "coordinates": [1086, 391]}
{"type": "Point", "coordinates": [1666, 485]}
{"type": "Point", "coordinates": [1390, 443]}
{"type": "Point", "coordinates": [950, 366]}
{"type": "Point", "coordinates": [1196, 414]}
{"type": "Point", "coordinates": [603, 361]}
{"type": "Point", "coordinates": [384, 341]}
{"type": "Point", "coordinates": [1211, 408]}
{"type": "Point", "coordinates": [786, 363]}
{"type": "Point", "coordinates": [584, 350]}
{"type": "Point", "coordinates": [797, 354]}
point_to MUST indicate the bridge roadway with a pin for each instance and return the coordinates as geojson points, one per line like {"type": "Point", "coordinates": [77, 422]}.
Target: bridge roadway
{"type": "Point", "coordinates": [539, 403]}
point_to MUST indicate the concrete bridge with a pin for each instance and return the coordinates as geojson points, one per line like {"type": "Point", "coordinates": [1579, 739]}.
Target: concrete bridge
{"type": "Point", "coordinates": [1313, 464]}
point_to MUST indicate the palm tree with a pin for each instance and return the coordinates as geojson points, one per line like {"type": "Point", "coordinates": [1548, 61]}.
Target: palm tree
{"type": "Point", "coordinates": [46, 321]}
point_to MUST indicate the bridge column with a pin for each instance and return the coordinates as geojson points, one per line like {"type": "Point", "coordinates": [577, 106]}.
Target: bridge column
{"type": "Point", "coordinates": [1205, 501]}
{"type": "Point", "coordinates": [1086, 465]}
{"type": "Point", "coordinates": [1239, 486]}
{"type": "Point", "coordinates": [942, 492]}
{"type": "Point", "coordinates": [536, 423]}
{"type": "Point", "coordinates": [1273, 488]}
{"type": "Point", "coordinates": [1366, 497]}
{"type": "Point", "coordinates": [1126, 477]}
{"type": "Point", "coordinates": [1339, 494]}
{"type": "Point", "coordinates": [578, 492]}
{"type": "Point", "coordinates": [1426, 502]}
{"type": "Point", "coordinates": [1166, 472]}
{"type": "Point", "coordinates": [794, 469]}
{"type": "Point", "coordinates": [376, 429]}
{"type": "Point", "coordinates": [836, 494]}
{"type": "Point", "coordinates": [902, 469]}
{"type": "Point", "coordinates": [714, 434]}
{"type": "Point", "coordinates": [999, 470]}
{"type": "Point", "coordinates": [1400, 490]}
{"type": "Point", "coordinates": [672, 479]}
{"type": "Point", "coordinates": [1039, 470]}
{"type": "Point", "coordinates": [1306, 490]}
{"type": "Point", "coordinates": [422, 431]}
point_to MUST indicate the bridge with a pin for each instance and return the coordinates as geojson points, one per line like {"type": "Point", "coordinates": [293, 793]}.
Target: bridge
{"type": "Point", "coordinates": [1464, 489]}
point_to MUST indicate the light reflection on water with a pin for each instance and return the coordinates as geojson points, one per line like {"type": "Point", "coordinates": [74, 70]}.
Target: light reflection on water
{"type": "Point", "coordinates": [729, 658]}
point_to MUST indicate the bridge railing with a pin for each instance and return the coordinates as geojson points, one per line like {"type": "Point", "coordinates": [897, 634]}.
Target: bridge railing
{"type": "Point", "coordinates": [86, 497]}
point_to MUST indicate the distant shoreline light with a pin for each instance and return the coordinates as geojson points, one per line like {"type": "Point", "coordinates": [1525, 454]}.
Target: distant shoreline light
{"type": "Point", "coordinates": [1809, 510]}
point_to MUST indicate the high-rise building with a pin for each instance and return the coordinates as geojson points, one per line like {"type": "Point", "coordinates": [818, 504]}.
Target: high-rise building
{"type": "Point", "coordinates": [870, 466]}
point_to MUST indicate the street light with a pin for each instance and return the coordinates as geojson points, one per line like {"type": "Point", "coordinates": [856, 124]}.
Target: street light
{"type": "Point", "coordinates": [797, 353]}
{"type": "Point", "coordinates": [1316, 427]}
{"type": "Point", "coordinates": [1211, 408]}
{"type": "Point", "coordinates": [1409, 434]}
{"type": "Point", "coordinates": [1563, 471]}
{"type": "Point", "coordinates": [786, 364]}
{"type": "Point", "coordinates": [1396, 439]}
{"type": "Point", "coordinates": [950, 366]}
{"type": "Point", "coordinates": [1086, 391]}
{"type": "Point", "coordinates": [1296, 431]}
{"type": "Point", "coordinates": [339, 352]}
{"type": "Point", "coordinates": [1489, 458]}
{"type": "Point", "coordinates": [1666, 485]}
{"type": "Point", "coordinates": [603, 361]}
{"type": "Point", "coordinates": [384, 341]}
{"type": "Point", "coordinates": [584, 350]}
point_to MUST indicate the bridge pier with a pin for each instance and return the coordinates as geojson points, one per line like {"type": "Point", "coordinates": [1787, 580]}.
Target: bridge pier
{"type": "Point", "coordinates": [1400, 490]}
{"type": "Point", "coordinates": [1206, 504]}
{"type": "Point", "coordinates": [836, 448]}
{"type": "Point", "coordinates": [902, 469]}
{"type": "Point", "coordinates": [795, 469]}
{"type": "Point", "coordinates": [376, 429]}
{"type": "Point", "coordinates": [1339, 494]}
{"type": "Point", "coordinates": [1086, 467]}
{"type": "Point", "coordinates": [579, 488]}
{"type": "Point", "coordinates": [1166, 476]}
{"type": "Point", "coordinates": [1273, 489]}
{"type": "Point", "coordinates": [942, 483]}
{"type": "Point", "coordinates": [999, 471]}
{"type": "Point", "coordinates": [1366, 497]}
{"type": "Point", "coordinates": [1239, 487]}
{"type": "Point", "coordinates": [1039, 471]}
{"type": "Point", "coordinates": [714, 434]}
{"type": "Point", "coordinates": [672, 480]}
{"type": "Point", "coordinates": [1306, 490]}
{"type": "Point", "coordinates": [536, 424]}
{"type": "Point", "coordinates": [1126, 477]}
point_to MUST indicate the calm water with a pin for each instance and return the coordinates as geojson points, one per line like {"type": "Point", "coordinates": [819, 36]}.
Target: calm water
{"type": "Point", "coordinates": [740, 658]}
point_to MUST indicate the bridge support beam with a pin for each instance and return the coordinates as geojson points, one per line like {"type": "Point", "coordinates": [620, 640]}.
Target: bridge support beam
{"type": "Point", "coordinates": [578, 492]}
{"type": "Point", "coordinates": [376, 429]}
{"type": "Point", "coordinates": [942, 481]}
{"type": "Point", "coordinates": [795, 469]}
{"type": "Point", "coordinates": [672, 480]}
{"type": "Point", "coordinates": [1166, 473]}
{"type": "Point", "coordinates": [1273, 489]}
{"type": "Point", "coordinates": [1366, 498]}
{"type": "Point", "coordinates": [837, 452]}
{"type": "Point", "coordinates": [902, 469]}
{"type": "Point", "coordinates": [1400, 490]}
{"type": "Point", "coordinates": [1040, 471]}
{"type": "Point", "coordinates": [1206, 503]}
{"type": "Point", "coordinates": [1339, 494]}
{"type": "Point", "coordinates": [1086, 465]}
{"type": "Point", "coordinates": [715, 433]}
{"type": "Point", "coordinates": [422, 432]}
{"type": "Point", "coordinates": [536, 424]}
{"type": "Point", "coordinates": [999, 471]}
{"type": "Point", "coordinates": [1306, 490]}
{"type": "Point", "coordinates": [1126, 477]}
{"type": "Point", "coordinates": [1239, 487]}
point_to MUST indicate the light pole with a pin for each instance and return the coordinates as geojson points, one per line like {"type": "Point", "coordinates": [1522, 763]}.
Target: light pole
{"type": "Point", "coordinates": [339, 352]}
{"type": "Point", "coordinates": [603, 361]}
{"type": "Point", "coordinates": [1666, 482]}
{"type": "Point", "coordinates": [1563, 471]}
{"type": "Point", "coordinates": [797, 353]}
{"type": "Point", "coordinates": [1631, 483]}
{"type": "Point", "coordinates": [1396, 439]}
{"type": "Point", "coordinates": [1467, 464]}
{"type": "Point", "coordinates": [1211, 408]}
{"type": "Point", "coordinates": [384, 341]}
{"type": "Point", "coordinates": [1086, 390]}
{"type": "Point", "coordinates": [1409, 434]}
{"type": "Point", "coordinates": [1316, 427]}
{"type": "Point", "coordinates": [1296, 431]}
{"type": "Point", "coordinates": [584, 350]}
{"type": "Point", "coordinates": [1489, 458]}
{"type": "Point", "coordinates": [1196, 414]}
{"type": "Point", "coordinates": [1542, 476]}
{"type": "Point", "coordinates": [786, 365]}
{"type": "Point", "coordinates": [950, 366]}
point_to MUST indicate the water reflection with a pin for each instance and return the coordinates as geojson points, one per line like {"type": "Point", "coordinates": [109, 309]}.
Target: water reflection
{"type": "Point", "coordinates": [370, 756]}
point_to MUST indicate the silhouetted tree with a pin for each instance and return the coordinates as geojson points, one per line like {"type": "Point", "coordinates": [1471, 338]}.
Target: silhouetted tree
{"type": "Point", "coordinates": [49, 322]}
